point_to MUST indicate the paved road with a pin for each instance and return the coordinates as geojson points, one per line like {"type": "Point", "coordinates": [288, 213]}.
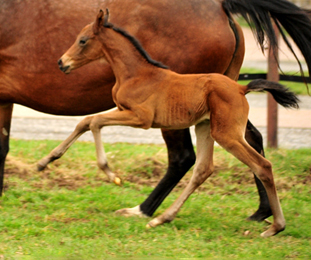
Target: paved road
{"type": "Point", "coordinates": [294, 126]}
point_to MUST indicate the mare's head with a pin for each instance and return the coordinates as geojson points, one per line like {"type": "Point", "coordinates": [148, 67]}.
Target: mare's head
{"type": "Point", "coordinates": [86, 48]}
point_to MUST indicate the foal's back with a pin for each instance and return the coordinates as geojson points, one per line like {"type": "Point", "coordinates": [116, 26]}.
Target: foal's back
{"type": "Point", "coordinates": [185, 100]}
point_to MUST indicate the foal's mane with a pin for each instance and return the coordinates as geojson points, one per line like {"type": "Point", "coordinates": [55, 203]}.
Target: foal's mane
{"type": "Point", "coordinates": [135, 43]}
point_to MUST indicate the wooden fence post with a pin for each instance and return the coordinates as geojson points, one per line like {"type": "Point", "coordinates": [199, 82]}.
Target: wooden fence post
{"type": "Point", "coordinates": [272, 110]}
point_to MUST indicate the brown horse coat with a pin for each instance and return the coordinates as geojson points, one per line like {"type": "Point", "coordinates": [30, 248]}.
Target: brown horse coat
{"type": "Point", "coordinates": [30, 35]}
{"type": "Point", "coordinates": [147, 95]}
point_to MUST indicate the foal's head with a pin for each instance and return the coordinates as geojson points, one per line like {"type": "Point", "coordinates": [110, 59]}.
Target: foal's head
{"type": "Point", "coordinates": [88, 45]}
{"type": "Point", "coordinates": [86, 48]}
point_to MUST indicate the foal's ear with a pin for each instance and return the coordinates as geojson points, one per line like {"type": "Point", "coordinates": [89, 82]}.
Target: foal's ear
{"type": "Point", "coordinates": [98, 22]}
{"type": "Point", "coordinates": [106, 19]}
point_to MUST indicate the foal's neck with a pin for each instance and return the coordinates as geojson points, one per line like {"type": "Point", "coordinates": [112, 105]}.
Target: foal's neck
{"type": "Point", "coordinates": [123, 57]}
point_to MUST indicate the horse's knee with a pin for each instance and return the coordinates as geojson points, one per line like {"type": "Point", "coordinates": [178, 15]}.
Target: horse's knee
{"type": "Point", "coordinates": [201, 173]}
{"type": "Point", "coordinates": [84, 125]}
{"type": "Point", "coordinates": [181, 156]}
{"type": "Point", "coordinates": [182, 159]}
{"type": "Point", "coordinates": [264, 173]}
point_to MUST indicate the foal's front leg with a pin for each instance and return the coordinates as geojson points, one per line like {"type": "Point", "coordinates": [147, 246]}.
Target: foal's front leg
{"type": "Point", "coordinates": [114, 117]}
{"type": "Point", "coordinates": [60, 150]}
{"type": "Point", "coordinates": [202, 170]}
{"type": "Point", "coordinates": [95, 123]}
{"type": "Point", "coordinates": [82, 127]}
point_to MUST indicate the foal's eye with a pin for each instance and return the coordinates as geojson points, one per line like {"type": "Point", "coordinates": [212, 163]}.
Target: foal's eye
{"type": "Point", "coordinates": [82, 42]}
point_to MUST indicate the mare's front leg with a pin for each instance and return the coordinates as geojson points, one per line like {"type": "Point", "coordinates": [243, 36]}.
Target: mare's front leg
{"type": "Point", "coordinates": [5, 125]}
{"type": "Point", "coordinates": [181, 158]}
{"type": "Point", "coordinates": [82, 127]}
{"type": "Point", "coordinates": [202, 170]}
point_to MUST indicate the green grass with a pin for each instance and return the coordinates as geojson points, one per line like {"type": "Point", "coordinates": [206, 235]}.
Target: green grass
{"type": "Point", "coordinates": [67, 211]}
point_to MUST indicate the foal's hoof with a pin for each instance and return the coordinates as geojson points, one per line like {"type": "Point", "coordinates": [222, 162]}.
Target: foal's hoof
{"type": "Point", "coordinates": [272, 231]}
{"type": "Point", "coordinates": [117, 181]}
{"type": "Point", "coordinates": [153, 223]}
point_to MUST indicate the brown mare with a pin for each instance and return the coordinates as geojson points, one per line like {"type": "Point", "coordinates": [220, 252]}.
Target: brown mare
{"type": "Point", "coordinates": [30, 32]}
{"type": "Point", "coordinates": [148, 95]}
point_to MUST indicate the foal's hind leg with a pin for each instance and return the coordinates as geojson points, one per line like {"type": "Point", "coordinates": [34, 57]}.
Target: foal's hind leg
{"type": "Point", "coordinates": [82, 127]}
{"type": "Point", "coordinates": [234, 142]}
{"type": "Point", "coordinates": [252, 135]}
{"type": "Point", "coordinates": [202, 170]}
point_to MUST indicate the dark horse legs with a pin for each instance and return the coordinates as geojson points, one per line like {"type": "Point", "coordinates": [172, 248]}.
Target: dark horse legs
{"type": "Point", "coordinates": [5, 125]}
{"type": "Point", "coordinates": [254, 138]}
{"type": "Point", "coordinates": [181, 158]}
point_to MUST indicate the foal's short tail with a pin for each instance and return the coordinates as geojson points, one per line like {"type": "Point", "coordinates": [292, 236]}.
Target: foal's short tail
{"type": "Point", "coordinates": [280, 93]}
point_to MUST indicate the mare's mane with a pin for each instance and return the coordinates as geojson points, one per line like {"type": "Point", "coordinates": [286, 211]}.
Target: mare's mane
{"type": "Point", "coordinates": [136, 44]}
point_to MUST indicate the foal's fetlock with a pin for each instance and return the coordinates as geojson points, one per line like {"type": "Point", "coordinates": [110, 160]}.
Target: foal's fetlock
{"type": "Point", "coordinates": [111, 176]}
{"type": "Point", "coordinates": [41, 165]}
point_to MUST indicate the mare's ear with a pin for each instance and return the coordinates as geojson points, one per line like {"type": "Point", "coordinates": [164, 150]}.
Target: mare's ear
{"type": "Point", "coordinates": [98, 22]}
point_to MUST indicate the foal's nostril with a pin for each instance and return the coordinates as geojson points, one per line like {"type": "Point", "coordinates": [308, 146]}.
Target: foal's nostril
{"type": "Point", "coordinates": [60, 63]}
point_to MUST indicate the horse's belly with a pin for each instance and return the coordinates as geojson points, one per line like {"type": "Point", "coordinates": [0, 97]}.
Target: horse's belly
{"type": "Point", "coordinates": [180, 120]}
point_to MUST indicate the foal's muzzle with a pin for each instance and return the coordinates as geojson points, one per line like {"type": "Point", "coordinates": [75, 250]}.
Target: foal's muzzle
{"type": "Point", "coordinates": [62, 67]}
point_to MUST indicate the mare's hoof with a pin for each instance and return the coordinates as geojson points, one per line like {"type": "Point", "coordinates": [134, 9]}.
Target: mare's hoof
{"type": "Point", "coordinates": [129, 212]}
{"type": "Point", "coordinates": [260, 215]}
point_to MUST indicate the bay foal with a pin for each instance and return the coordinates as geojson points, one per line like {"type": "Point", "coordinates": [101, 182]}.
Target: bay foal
{"type": "Point", "coordinates": [149, 95]}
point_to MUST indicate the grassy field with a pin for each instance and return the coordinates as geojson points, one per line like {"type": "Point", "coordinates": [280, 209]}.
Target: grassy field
{"type": "Point", "coordinates": [67, 211]}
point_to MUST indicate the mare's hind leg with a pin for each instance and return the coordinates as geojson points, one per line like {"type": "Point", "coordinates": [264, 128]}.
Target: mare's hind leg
{"type": "Point", "coordinates": [5, 125]}
{"type": "Point", "coordinates": [254, 138]}
{"type": "Point", "coordinates": [202, 170]}
{"type": "Point", "coordinates": [82, 127]}
{"type": "Point", "coordinates": [181, 157]}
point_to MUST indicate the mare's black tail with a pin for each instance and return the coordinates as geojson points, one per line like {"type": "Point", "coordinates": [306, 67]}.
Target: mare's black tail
{"type": "Point", "coordinates": [294, 20]}
{"type": "Point", "coordinates": [280, 93]}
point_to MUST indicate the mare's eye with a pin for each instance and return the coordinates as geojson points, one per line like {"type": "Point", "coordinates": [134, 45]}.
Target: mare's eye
{"type": "Point", "coordinates": [82, 42]}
